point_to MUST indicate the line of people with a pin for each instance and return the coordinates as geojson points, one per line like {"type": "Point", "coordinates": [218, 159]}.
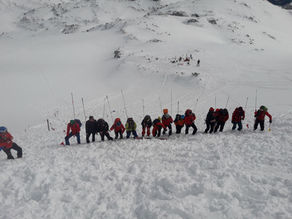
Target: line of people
{"type": "Point", "coordinates": [215, 120]}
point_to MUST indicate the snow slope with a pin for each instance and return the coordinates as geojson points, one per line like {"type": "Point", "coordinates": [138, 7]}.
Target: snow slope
{"type": "Point", "coordinates": [52, 48]}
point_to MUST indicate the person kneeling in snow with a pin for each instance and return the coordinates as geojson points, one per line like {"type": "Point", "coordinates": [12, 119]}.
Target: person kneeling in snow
{"type": "Point", "coordinates": [7, 144]}
{"type": "Point", "coordinates": [118, 127]}
{"type": "Point", "coordinates": [75, 131]}
{"type": "Point", "coordinates": [157, 126]}
{"type": "Point", "coordinates": [260, 117]}
{"type": "Point", "coordinates": [103, 128]}
{"type": "Point", "coordinates": [131, 128]}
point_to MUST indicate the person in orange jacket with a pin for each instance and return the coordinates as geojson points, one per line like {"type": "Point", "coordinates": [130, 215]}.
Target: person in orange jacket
{"type": "Point", "coordinates": [73, 129]}
{"type": "Point", "coordinates": [157, 126]}
{"type": "Point", "coordinates": [6, 143]}
{"type": "Point", "coordinates": [260, 117]}
{"type": "Point", "coordinates": [118, 127]}
{"type": "Point", "coordinates": [179, 123]}
{"type": "Point", "coordinates": [189, 121]}
{"type": "Point", "coordinates": [166, 121]}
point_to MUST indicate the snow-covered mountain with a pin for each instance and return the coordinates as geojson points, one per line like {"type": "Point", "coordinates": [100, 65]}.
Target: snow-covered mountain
{"type": "Point", "coordinates": [50, 49]}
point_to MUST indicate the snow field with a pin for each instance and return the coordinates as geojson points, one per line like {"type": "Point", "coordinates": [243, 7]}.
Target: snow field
{"type": "Point", "coordinates": [232, 174]}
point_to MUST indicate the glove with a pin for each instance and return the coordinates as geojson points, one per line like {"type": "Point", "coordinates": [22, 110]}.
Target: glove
{"type": "Point", "coordinates": [270, 121]}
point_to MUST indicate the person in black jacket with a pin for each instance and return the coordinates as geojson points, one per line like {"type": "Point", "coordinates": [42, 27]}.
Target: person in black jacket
{"type": "Point", "coordinates": [210, 121]}
{"type": "Point", "coordinates": [103, 128]}
{"type": "Point", "coordinates": [146, 124]}
{"type": "Point", "coordinates": [90, 128]}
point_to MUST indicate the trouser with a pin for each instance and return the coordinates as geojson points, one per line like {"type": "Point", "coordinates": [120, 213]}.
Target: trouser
{"type": "Point", "coordinates": [156, 131]}
{"type": "Point", "coordinates": [14, 147]}
{"type": "Point", "coordinates": [133, 132]}
{"type": "Point", "coordinates": [257, 122]}
{"type": "Point", "coordinates": [105, 133]}
{"type": "Point", "coordinates": [193, 126]}
{"type": "Point", "coordinates": [239, 125]}
{"type": "Point", "coordinates": [144, 129]}
{"type": "Point", "coordinates": [88, 135]}
{"type": "Point", "coordinates": [117, 134]}
{"type": "Point", "coordinates": [70, 135]}
{"type": "Point", "coordinates": [210, 126]}
{"type": "Point", "coordinates": [178, 129]}
{"type": "Point", "coordinates": [221, 125]}
{"type": "Point", "coordinates": [169, 130]}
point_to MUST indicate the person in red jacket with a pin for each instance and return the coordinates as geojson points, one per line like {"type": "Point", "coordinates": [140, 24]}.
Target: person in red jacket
{"type": "Point", "coordinates": [189, 121]}
{"type": "Point", "coordinates": [7, 144]}
{"type": "Point", "coordinates": [157, 126]}
{"type": "Point", "coordinates": [221, 117]}
{"type": "Point", "coordinates": [166, 121]}
{"type": "Point", "coordinates": [260, 117]}
{"type": "Point", "coordinates": [237, 116]}
{"type": "Point", "coordinates": [73, 129]}
{"type": "Point", "coordinates": [118, 127]}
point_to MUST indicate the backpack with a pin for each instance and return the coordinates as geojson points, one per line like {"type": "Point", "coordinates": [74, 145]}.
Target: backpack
{"type": "Point", "coordinates": [78, 122]}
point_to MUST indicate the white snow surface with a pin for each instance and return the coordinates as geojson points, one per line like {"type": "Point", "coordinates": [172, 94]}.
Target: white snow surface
{"type": "Point", "coordinates": [50, 49]}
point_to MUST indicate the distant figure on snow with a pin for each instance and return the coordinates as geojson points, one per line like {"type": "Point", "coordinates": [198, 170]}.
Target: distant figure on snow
{"type": "Point", "coordinates": [90, 128]}
{"type": "Point", "coordinates": [260, 117]}
{"type": "Point", "coordinates": [237, 116]}
{"type": "Point", "coordinates": [6, 143]}
{"type": "Point", "coordinates": [198, 62]}
{"type": "Point", "coordinates": [73, 129]}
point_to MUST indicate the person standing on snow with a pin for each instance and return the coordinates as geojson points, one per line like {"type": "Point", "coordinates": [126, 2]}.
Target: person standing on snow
{"type": "Point", "coordinates": [260, 117]}
{"type": "Point", "coordinates": [73, 129]}
{"type": "Point", "coordinates": [179, 123]}
{"type": "Point", "coordinates": [189, 121]}
{"type": "Point", "coordinates": [157, 126]}
{"type": "Point", "coordinates": [146, 124]}
{"type": "Point", "coordinates": [6, 143]}
{"type": "Point", "coordinates": [237, 116]}
{"type": "Point", "coordinates": [118, 127]}
{"type": "Point", "coordinates": [103, 128]}
{"type": "Point", "coordinates": [210, 121]}
{"type": "Point", "coordinates": [90, 128]}
{"type": "Point", "coordinates": [166, 121]}
{"type": "Point", "coordinates": [221, 117]}
{"type": "Point", "coordinates": [131, 128]}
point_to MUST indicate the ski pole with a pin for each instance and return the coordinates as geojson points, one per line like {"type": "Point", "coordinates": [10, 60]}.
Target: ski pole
{"type": "Point", "coordinates": [256, 100]}
{"type": "Point", "coordinates": [245, 110]}
{"type": "Point", "coordinates": [103, 113]}
{"type": "Point", "coordinates": [124, 103]}
{"type": "Point", "coordinates": [73, 105]}
{"type": "Point", "coordinates": [171, 101]}
{"type": "Point", "coordinates": [227, 102]}
{"type": "Point", "coordinates": [177, 107]}
{"type": "Point", "coordinates": [143, 107]}
{"type": "Point", "coordinates": [269, 127]}
{"type": "Point", "coordinates": [215, 102]}
{"type": "Point", "coordinates": [83, 108]}
{"type": "Point", "coordinates": [160, 104]}
{"type": "Point", "coordinates": [109, 108]}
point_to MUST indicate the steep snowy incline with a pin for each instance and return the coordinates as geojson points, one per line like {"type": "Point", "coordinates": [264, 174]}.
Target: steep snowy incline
{"type": "Point", "coordinates": [227, 175]}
